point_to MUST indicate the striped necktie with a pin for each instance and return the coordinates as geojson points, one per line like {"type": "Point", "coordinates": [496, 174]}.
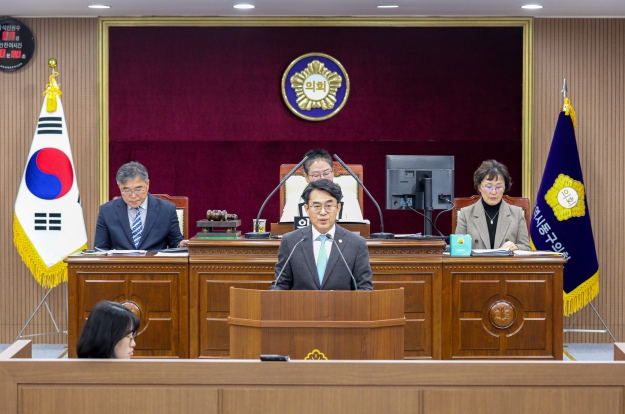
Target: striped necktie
{"type": "Point", "coordinates": [137, 229]}
{"type": "Point", "coordinates": [322, 259]}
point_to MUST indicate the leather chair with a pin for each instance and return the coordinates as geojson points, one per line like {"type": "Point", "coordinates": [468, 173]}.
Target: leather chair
{"type": "Point", "coordinates": [182, 210]}
{"type": "Point", "coordinates": [294, 186]}
{"type": "Point", "coordinates": [461, 202]}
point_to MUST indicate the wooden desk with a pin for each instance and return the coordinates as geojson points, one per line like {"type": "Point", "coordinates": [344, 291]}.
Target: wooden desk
{"type": "Point", "coordinates": [506, 307]}
{"type": "Point", "coordinates": [158, 285]}
{"type": "Point", "coordinates": [149, 386]}
{"type": "Point", "coordinates": [448, 302]}
{"type": "Point", "coordinates": [216, 265]}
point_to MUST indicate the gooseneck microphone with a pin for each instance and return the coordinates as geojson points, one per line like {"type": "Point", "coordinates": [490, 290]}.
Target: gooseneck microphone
{"type": "Point", "coordinates": [329, 236]}
{"type": "Point", "coordinates": [275, 282]}
{"type": "Point", "coordinates": [381, 234]}
{"type": "Point", "coordinates": [265, 235]}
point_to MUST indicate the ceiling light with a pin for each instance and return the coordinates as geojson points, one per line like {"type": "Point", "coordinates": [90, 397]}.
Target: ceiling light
{"type": "Point", "coordinates": [244, 6]}
{"type": "Point", "coordinates": [532, 6]}
{"type": "Point", "coordinates": [387, 6]}
{"type": "Point", "coordinates": [99, 6]}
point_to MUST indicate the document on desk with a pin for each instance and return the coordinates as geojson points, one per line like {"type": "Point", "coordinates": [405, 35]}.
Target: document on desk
{"type": "Point", "coordinates": [172, 254]}
{"type": "Point", "coordinates": [492, 252]}
{"type": "Point", "coordinates": [126, 252]}
{"type": "Point", "coordinates": [536, 253]}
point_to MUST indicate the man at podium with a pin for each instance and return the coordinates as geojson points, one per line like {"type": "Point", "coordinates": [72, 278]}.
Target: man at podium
{"type": "Point", "coordinates": [323, 255]}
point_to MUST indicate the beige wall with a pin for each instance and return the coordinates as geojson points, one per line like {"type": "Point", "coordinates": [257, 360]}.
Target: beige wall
{"type": "Point", "coordinates": [73, 42]}
{"type": "Point", "coordinates": [590, 53]}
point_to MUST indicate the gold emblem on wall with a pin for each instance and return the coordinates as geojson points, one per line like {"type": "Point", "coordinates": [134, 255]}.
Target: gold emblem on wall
{"type": "Point", "coordinates": [316, 355]}
{"type": "Point", "coordinates": [315, 86]}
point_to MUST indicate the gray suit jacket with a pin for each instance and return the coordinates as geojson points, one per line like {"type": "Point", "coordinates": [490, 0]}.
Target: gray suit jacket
{"type": "Point", "coordinates": [511, 226]}
{"type": "Point", "coordinates": [300, 273]}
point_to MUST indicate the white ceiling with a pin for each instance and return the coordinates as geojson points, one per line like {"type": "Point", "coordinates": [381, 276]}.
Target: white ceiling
{"type": "Point", "coordinates": [78, 8]}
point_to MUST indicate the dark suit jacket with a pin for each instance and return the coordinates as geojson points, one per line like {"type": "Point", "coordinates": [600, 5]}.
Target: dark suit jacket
{"type": "Point", "coordinates": [510, 226]}
{"type": "Point", "coordinates": [300, 273]}
{"type": "Point", "coordinates": [161, 228]}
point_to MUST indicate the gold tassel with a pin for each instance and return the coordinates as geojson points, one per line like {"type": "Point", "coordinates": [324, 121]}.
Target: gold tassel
{"type": "Point", "coordinates": [575, 300]}
{"type": "Point", "coordinates": [569, 111]}
{"type": "Point", "coordinates": [51, 92]}
{"type": "Point", "coordinates": [47, 277]}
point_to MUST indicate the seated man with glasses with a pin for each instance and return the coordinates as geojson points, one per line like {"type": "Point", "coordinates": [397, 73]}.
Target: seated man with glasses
{"type": "Point", "coordinates": [137, 220]}
{"type": "Point", "coordinates": [323, 255]}
{"type": "Point", "coordinates": [491, 222]}
{"type": "Point", "coordinates": [319, 166]}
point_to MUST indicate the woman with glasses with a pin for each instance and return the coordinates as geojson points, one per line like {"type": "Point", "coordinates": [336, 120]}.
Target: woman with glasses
{"type": "Point", "coordinates": [109, 332]}
{"type": "Point", "coordinates": [491, 222]}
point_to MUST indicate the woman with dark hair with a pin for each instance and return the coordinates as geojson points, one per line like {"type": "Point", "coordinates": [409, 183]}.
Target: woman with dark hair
{"type": "Point", "coordinates": [491, 222]}
{"type": "Point", "coordinates": [109, 332]}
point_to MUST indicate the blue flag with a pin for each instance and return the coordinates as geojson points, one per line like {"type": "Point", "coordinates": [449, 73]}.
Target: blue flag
{"type": "Point", "coordinates": [561, 218]}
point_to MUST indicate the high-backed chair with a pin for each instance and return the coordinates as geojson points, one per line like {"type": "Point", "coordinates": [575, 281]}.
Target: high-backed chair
{"type": "Point", "coordinates": [182, 210]}
{"type": "Point", "coordinates": [294, 186]}
{"type": "Point", "coordinates": [461, 202]}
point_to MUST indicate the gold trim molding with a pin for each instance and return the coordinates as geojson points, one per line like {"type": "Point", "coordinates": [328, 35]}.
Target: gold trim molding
{"type": "Point", "coordinates": [527, 23]}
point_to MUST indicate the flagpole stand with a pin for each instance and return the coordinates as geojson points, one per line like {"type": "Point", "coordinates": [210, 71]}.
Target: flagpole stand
{"type": "Point", "coordinates": [43, 302]}
{"type": "Point", "coordinates": [606, 330]}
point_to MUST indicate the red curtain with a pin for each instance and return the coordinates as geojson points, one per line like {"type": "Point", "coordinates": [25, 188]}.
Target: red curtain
{"type": "Point", "coordinates": [201, 108]}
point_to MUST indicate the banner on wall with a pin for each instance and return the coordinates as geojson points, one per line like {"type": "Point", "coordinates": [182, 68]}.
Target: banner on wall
{"type": "Point", "coordinates": [561, 218]}
{"type": "Point", "coordinates": [48, 222]}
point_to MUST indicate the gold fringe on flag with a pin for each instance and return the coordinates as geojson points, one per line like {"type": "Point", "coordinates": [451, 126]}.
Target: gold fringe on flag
{"type": "Point", "coordinates": [582, 295]}
{"type": "Point", "coordinates": [569, 111]}
{"type": "Point", "coordinates": [52, 91]}
{"type": "Point", "coordinates": [47, 277]}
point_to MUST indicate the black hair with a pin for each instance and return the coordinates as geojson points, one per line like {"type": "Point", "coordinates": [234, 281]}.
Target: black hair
{"type": "Point", "coordinates": [316, 155]}
{"type": "Point", "coordinates": [108, 323]}
{"type": "Point", "coordinates": [324, 185]}
{"type": "Point", "coordinates": [490, 170]}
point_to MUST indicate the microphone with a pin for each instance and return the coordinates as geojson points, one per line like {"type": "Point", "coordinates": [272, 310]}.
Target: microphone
{"type": "Point", "coordinates": [255, 234]}
{"type": "Point", "coordinates": [329, 236]}
{"type": "Point", "coordinates": [275, 282]}
{"type": "Point", "coordinates": [380, 235]}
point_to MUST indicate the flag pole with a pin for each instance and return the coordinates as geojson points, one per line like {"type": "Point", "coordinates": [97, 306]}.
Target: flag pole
{"type": "Point", "coordinates": [52, 63]}
{"type": "Point", "coordinates": [565, 93]}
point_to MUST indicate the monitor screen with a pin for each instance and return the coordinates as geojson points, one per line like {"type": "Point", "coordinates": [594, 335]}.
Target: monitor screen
{"type": "Point", "coordinates": [406, 184]}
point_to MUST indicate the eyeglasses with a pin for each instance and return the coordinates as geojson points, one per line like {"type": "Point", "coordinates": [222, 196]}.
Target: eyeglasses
{"type": "Point", "coordinates": [317, 209]}
{"type": "Point", "coordinates": [137, 191]}
{"type": "Point", "coordinates": [325, 175]}
{"type": "Point", "coordinates": [490, 188]}
{"type": "Point", "coordinates": [132, 336]}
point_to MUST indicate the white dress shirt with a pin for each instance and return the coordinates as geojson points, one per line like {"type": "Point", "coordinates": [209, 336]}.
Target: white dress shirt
{"type": "Point", "coordinates": [317, 243]}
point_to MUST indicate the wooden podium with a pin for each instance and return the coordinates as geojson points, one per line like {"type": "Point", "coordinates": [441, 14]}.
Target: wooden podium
{"type": "Point", "coordinates": [317, 324]}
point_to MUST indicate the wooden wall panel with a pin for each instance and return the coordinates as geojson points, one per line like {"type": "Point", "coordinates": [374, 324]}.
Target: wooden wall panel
{"type": "Point", "coordinates": [73, 42]}
{"type": "Point", "coordinates": [590, 54]}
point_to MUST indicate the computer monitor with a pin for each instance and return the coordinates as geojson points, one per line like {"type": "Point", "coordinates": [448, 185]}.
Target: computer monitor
{"type": "Point", "coordinates": [420, 182]}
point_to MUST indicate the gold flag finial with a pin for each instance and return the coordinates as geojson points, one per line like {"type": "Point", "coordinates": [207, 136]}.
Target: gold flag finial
{"type": "Point", "coordinates": [52, 88]}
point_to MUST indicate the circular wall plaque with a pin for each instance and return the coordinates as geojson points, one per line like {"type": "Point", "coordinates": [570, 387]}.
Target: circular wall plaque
{"type": "Point", "coordinates": [17, 45]}
{"type": "Point", "coordinates": [315, 86]}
